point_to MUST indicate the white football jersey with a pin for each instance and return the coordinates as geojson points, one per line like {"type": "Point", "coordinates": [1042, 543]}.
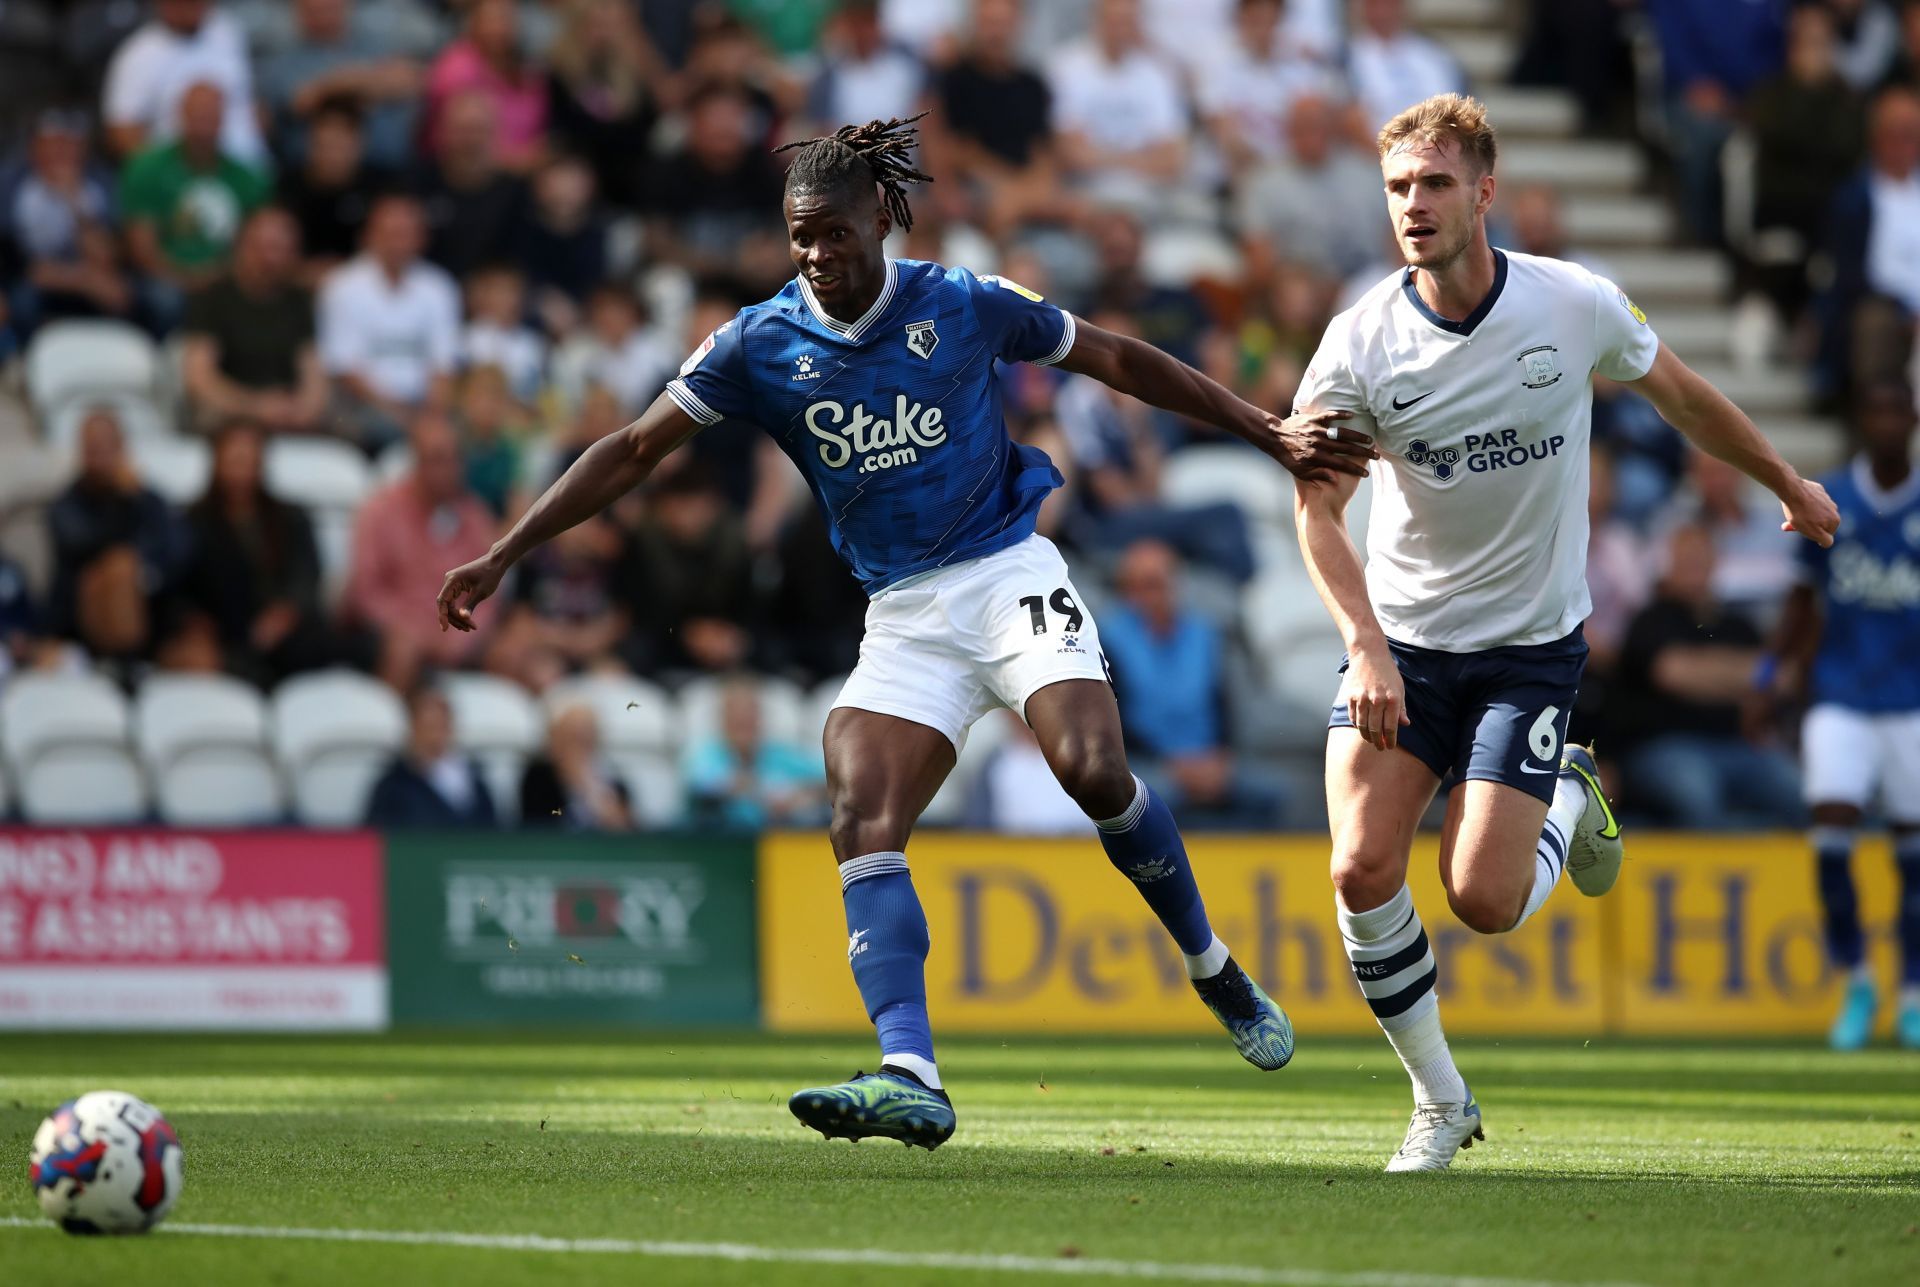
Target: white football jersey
{"type": "Point", "coordinates": [1477, 536]}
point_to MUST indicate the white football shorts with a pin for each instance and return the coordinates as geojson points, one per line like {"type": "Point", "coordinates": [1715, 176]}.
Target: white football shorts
{"type": "Point", "coordinates": [946, 647]}
{"type": "Point", "coordinates": [1848, 753]}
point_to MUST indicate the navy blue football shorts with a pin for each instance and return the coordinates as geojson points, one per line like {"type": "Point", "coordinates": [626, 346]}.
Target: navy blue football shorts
{"type": "Point", "coordinates": [1498, 715]}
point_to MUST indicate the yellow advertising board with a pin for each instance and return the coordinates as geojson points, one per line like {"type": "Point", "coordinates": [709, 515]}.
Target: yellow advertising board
{"type": "Point", "coordinates": [1702, 935]}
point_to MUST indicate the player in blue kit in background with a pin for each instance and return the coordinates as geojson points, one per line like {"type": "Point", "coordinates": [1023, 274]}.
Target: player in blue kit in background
{"type": "Point", "coordinates": [877, 378]}
{"type": "Point", "coordinates": [1849, 644]}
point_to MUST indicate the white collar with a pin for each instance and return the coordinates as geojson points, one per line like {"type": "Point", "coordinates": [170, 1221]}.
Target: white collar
{"type": "Point", "coordinates": [1884, 501]}
{"type": "Point", "coordinates": [853, 330]}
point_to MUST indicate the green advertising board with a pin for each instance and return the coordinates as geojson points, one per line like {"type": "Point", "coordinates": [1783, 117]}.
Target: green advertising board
{"type": "Point", "coordinates": [604, 930]}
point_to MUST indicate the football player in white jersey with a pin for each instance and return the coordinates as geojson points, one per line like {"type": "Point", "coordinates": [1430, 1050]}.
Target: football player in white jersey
{"type": "Point", "coordinates": [1471, 371]}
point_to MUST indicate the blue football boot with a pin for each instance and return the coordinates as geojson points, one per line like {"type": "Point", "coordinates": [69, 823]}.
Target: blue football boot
{"type": "Point", "coordinates": [1907, 1027]}
{"type": "Point", "coordinates": [890, 1104]}
{"type": "Point", "coordinates": [1260, 1029]}
{"type": "Point", "coordinates": [1853, 1026]}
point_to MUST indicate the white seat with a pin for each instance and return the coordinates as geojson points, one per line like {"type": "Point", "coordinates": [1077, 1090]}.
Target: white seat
{"type": "Point", "coordinates": [334, 710]}
{"type": "Point", "coordinates": [1307, 670]}
{"type": "Point", "coordinates": [177, 468]}
{"type": "Point", "coordinates": [332, 786]}
{"type": "Point", "coordinates": [820, 705]}
{"type": "Point", "coordinates": [333, 539]}
{"type": "Point", "coordinates": [218, 786]}
{"type": "Point", "coordinates": [74, 358]}
{"type": "Point", "coordinates": [320, 473]}
{"type": "Point", "coordinates": [949, 803]}
{"type": "Point", "coordinates": [140, 417]}
{"type": "Point", "coordinates": [1280, 604]}
{"type": "Point", "coordinates": [491, 713]}
{"type": "Point", "coordinates": [1182, 254]}
{"type": "Point", "coordinates": [40, 712]}
{"type": "Point", "coordinates": [655, 790]}
{"type": "Point", "coordinates": [393, 464]}
{"type": "Point", "coordinates": [502, 770]}
{"type": "Point", "coordinates": [175, 713]}
{"type": "Point", "coordinates": [1238, 475]}
{"type": "Point", "coordinates": [633, 714]}
{"type": "Point", "coordinates": [78, 785]}
{"type": "Point", "coordinates": [783, 710]}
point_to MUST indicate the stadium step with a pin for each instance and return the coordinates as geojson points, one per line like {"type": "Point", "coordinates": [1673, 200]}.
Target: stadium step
{"type": "Point", "coordinates": [1575, 166]}
{"type": "Point", "coordinates": [1811, 444]}
{"type": "Point", "coordinates": [1778, 391]}
{"type": "Point", "coordinates": [1485, 54]}
{"type": "Point", "coordinates": [1530, 113]}
{"type": "Point", "coordinates": [1594, 220]}
{"type": "Point", "coordinates": [1697, 334]}
{"type": "Point", "coordinates": [1435, 16]}
{"type": "Point", "coordinates": [1674, 276]}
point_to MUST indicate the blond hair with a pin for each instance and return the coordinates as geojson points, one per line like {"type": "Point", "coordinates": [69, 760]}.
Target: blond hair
{"type": "Point", "coordinates": [1443, 117]}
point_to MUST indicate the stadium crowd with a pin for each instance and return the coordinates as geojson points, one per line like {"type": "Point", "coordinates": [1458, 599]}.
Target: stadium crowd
{"type": "Point", "coordinates": [469, 238]}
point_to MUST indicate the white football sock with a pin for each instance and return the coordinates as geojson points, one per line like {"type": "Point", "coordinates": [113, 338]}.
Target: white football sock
{"type": "Point", "coordinates": [920, 1067]}
{"type": "Point", "coordinates": [1550, 857]}
{"type": "Point", "coordinates": [1209, 962]}
{"type": "Point", "coordinates": [1394, 964]}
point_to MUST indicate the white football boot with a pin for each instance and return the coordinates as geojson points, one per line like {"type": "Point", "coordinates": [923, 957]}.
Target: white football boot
{"type": "Point", "coordinates": [1435, 1134]}
{"type": "Point", "coordinates": [1594, 850]}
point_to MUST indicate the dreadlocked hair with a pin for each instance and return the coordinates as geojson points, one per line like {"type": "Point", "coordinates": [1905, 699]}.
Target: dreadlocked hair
{"type": "Point", "coordinates": [876, 152]}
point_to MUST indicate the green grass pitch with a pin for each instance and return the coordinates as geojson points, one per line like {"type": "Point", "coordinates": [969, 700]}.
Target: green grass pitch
{"type": "Point", "coordinates": [1628, 1163]}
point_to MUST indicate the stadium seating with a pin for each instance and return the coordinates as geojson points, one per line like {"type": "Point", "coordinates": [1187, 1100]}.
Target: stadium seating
{"type": "Point", "coordinates": [783, 711]}
{"type": "Point", "coordinates": [219, 786]}
{"type": "Point", "coordinates": [83, 359]}
{"type": "Point", "coordinates": [76, 784]}
{"type": "Point", "coordinates": [203, 740]}
{"type": "Point", "coordinates": [334, 731]}
{"type": "Point", "coordinates": [41, 713]}
{"type": "Point", "coordinates": [175, 467]}
{"type": "Point", "coordinates": [1237, 475]}
{"type": "Point", "coordinates": [141, 418]}
{"type": "Point", "coordinates": [319, 473]}
{"type": "Point", "coordinates": [653, 787]}
{"type": "Point", "coordinates": [634, 715]}
{"type": "Point", "coordinates": [498, 724]}
{"type": "Point", "coordinates": [949, 804]}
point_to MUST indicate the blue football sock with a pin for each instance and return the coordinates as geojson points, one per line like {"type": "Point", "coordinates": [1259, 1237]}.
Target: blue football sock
{"type": "Point", "coordinates": [887, 947]}
{"type": "Point", "coordinates": [1839, 900]}
{"type": "Point", "coordinates": [1145, 845]}
{"type": "Point", "coordinates": [1906, 853]}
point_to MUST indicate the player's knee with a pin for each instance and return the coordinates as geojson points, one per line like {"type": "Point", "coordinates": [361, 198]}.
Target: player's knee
{"type": "Point", "coordinates": [1486, 909]}
{"type": "Point", "coordinates": [864, 825]}
{"type": "Point", "coordinates": [1363, 881]}
{"type": "Point", "coordinates": [1095, 776]}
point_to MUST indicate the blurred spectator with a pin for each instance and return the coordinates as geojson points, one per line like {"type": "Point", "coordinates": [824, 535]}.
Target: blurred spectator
{"type": "Point", "coordinates": [1581, 46]}
{"type": "Point", "coordinates": [995, 150]}
{"type": "Point", "coordinates": [490, 431]}
{"type": "Point", "coordinates": [248, 348]}
{"type": "Point", "coordinates": [389, 327]}
{"type": "Point", "coordinates": [1873, 243]}
{"type": "Point", "coordinates": [694, 562]}
{"type": "Point", "coordinates": [930, 28]}
{"type": "Point", "coordinates": [1648, 456]}
{"type": "Point", "coordinates": [1248, 84]}
{"type": "Point", "coordinates": [1167, 317]}
{"type": "Point", "coordinates": [333, 190]}
{"type": "Point", "coordinates": [185, 43]}
{"type": "Point", "coordinates": [1906, 63]}
{"type": "Point", "coordinates": [1119, 114]}
{"type": "Point", "coordinates": [1320, 204]}
{"type": "Point", "coordinates": [563, 246]}
{"type": "Point", "coordinates": [1810, 129]}
{"type": "Point", "coordinates": [1869, 39]}
{"type": "Point", "coordinates": [863, 76]}
{"type": "Point", "coordinates": [570, 610]}
{"type": "Point", "coordinates": [568, 788]}
{"type": "Point", "coordinates": [487, 61]}
{"type": "Point", "coordinates": [476, 209]}
{"type": "Point", "coordinates": [184, 203]}
{"type": "Point", "coordinates": [1619, 572]}
{"type": "Point", "coordinates": [496, 332]}
{"type": "Point", "coordinates": [332, 59]}
{"type": "Point", "coordinates": [1118, 453]}
{"type": "Point", "coordinates": [1392, 65]}
{"type": "Point", "coordinates": [596, 415]}
{"type": "Point", "coordinates": [1538, 226]}
{"type": "Point", "coordinates": [727, 56]}
{"type": "Point", "coordinates": [1711, 54]}
{"type": "Point", "coordinates": [23, 645]}
{"type": "Point", "coordinates": [117, 550]}
{"type": "Point", "coordinates": [603, 81]}
{"type": "Point", "coordinates": [1016, 792]}
{"type": "Point", "coordinates": [716, 204]}
{"type": "Point", "coordinates": [251, 587]}
{"type": "Point", "coordinates": [818, 610]}
{"type": "Point", "coordinates": [1169, 668]}
{"type": "Point", "coordinates": [56, 231]}
{"type": "Point", "coordinates": [1687, 665]}
{"type": "Point", "coordinates": [430, 784]}
{"type": "Point", "coordinates": [790, 27]}
{"type": "Point", "coordinates": [616, 351]}
{"type": "Point", "coordinates": [405, 537]}
{"type": "Point", "coordinates": [1753, 564]}
{"type": "Point", "coordinates": [740, 779]}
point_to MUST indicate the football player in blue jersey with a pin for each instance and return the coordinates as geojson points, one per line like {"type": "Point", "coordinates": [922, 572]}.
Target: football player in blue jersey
{"type": "Point", "coordinates": [1849, 644]}
{"type": "Point", "coordinates": [876, 377]}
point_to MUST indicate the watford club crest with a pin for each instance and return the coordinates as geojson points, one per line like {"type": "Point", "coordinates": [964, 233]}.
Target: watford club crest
{"type": "Point", "coordinates": [922, 339]}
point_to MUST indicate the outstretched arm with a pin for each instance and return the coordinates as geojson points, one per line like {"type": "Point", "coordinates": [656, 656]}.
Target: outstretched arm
{"type": "Point", "coordinates": [1717, 427]}
{"type": "Point", "coordinates": [1311, 447]}
{"type": "Point", "coordinates": [604, 473]}
{"type": "Point", "coordinates": [1374, 693]}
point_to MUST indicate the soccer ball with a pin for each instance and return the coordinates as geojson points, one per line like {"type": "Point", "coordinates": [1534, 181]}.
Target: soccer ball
{"type": "Point", "coordinates": [106, 1163]}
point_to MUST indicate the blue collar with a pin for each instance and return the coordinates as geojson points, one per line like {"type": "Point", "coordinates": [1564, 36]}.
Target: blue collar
{"type": "Point", "coordinates": [1474, 318]}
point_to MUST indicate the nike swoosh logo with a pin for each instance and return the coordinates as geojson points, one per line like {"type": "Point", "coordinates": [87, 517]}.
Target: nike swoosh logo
{"type": "Point", "coordinates": [1528, 768]}
{"type": "Point", "coordinates": [1402, 406]}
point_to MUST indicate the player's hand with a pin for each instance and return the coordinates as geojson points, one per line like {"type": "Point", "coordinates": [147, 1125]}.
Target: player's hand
{"type": "Point", "coordinates": [472, 582]}
{"type": "Point", "coordinates": [1376, 697]}
{"type": "Point", "coordinates": [1810, 512]}
{"type": "Point", "coordinates": [1314, 445]}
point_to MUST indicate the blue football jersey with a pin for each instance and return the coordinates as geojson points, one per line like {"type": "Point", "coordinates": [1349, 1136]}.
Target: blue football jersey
{"type": "Point", "coordinates": [894, 419]}
{"type": "Point", "coordinates": [1869, 585]}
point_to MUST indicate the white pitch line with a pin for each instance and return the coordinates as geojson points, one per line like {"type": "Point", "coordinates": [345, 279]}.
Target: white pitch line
{"type": "Point", "coordinates": [1077, 1267]}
